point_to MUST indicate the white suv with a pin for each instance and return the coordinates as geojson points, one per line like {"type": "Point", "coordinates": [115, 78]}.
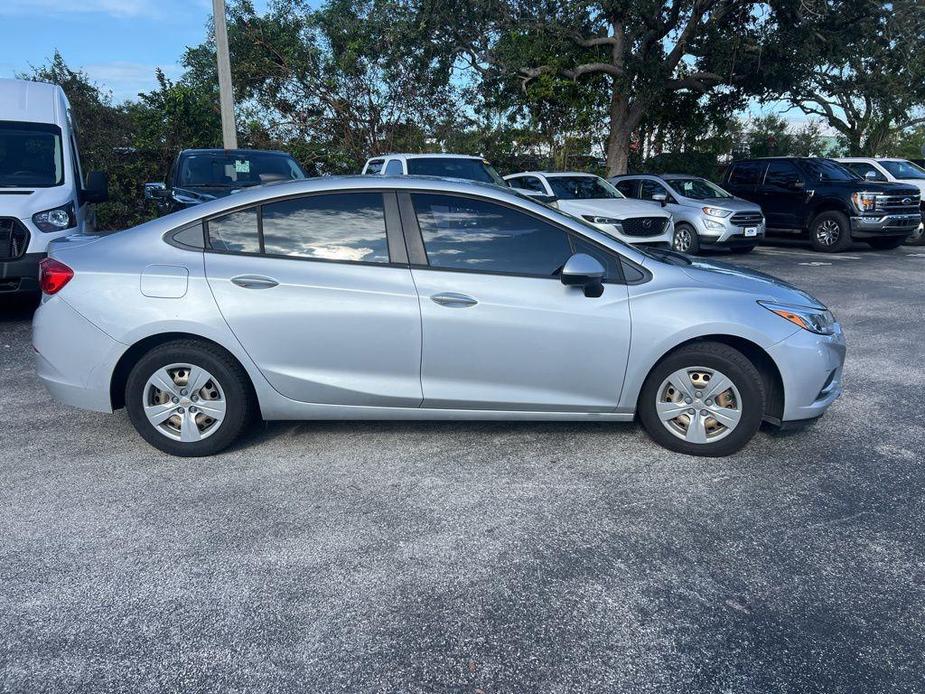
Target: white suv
{"type": "Point", "coordinates": [893, 171]}
{"type": "Point", "coordinates": [462, 166]}
{"type": "Point", "coordinates": [596, 201]}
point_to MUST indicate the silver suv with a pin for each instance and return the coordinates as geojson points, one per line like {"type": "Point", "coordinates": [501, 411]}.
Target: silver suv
{"type": "Point", "coordinates": [704, 214]}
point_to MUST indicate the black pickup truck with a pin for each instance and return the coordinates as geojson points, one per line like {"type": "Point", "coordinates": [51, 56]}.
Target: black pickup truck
{"type": "Point", "coordinates": [826, 201]}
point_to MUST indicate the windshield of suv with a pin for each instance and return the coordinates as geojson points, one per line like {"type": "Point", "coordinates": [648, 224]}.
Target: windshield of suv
{"type": "Point", "coordinates": [903, 169]}
{"type": "Point", "coordinates": [697, 189]}
{"type": "Point", "coordinates": [827, 170]}
{"type": "Point", "coordinates": [30, 155]}
{"type": "Point", "coordinates": [235, 169]}
{"type": "Point", "coordinates": [582, 188]}
{"type": "Point", "coordinates": [455, 167]}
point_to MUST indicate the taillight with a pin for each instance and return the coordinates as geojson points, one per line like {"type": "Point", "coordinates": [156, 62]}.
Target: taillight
{"type": "Point", "coordinates": [53, 275]}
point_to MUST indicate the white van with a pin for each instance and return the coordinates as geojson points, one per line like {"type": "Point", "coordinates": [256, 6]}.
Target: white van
{"type": "Point", "coordinates": [43, 195]}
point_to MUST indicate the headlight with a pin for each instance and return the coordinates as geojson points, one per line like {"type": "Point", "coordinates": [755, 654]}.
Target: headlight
{"type": "Point", "coordinates": [57, 219]}
{"type": "Point", "coordinates": [716, 212]}
{"type": "Point", "coordinates": [819, 321]}
{"type": "Point", "coordinates": [609, 221]}
{"type": "Point", "coordinates": [864, 202]}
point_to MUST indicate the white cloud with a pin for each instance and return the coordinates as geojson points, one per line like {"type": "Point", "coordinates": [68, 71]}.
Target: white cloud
{"type": "Point", "coordinates": [114, 8]}
{"type": "Point", "coordinates": [126, 79]}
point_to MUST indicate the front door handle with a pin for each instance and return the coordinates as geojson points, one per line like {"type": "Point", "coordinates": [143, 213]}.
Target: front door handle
{"type": "Point", "coordinates": [453, 300]}
{"type": "Point", "coordinates": [254, 281]}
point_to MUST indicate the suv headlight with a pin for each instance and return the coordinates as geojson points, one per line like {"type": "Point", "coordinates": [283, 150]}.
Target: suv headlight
{"type": "Point", "coordinates": [610, 221]}
{"type": "Point", "coordinates": [717, 212]}
{"type": "Point", "coordinates": [864, 202]}
{"type": "Point", "coordinates": [56, 219]}
{"type": "Point", "coordinates": [819, 321]}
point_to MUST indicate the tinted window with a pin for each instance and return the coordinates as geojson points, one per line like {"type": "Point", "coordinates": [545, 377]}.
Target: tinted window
{"type": "Point", "coordinates": [455, 167]}
{"type": "Point", "coordinates": [528, 183]}
{"type": "Point", "coordinates": [827, 170]}
{"type": "Point", "coordinates": [235, 169]}
{"type": "Point", "coordinates": [480, 236]}
{"type": "Point", "coordinates": [582, 188]}
{"type": "Point", "coordinates": [190, 235]}
{"type": "Point", "coordinates": [394, 168]}
{"type": "Point", "coordinates": [344, 226]}
{"type": "Point", "coordinates": [862, 169]}
{"type": "Point", "coordinates": [628, 188]}
{"type": "Point", "coordinates": [610, 261]}
{"type": "Point", "coordinates": [782, 174]}
{"type": "Point", "coordinates": [651, 188]}
{"type": "Point", "coordinates": [746, 173]}
{"type": "Point", "coordinates": [235, 232]}
{"type": "Point", "coordinates": [30, 155]}
{"type": "Point", "coordinates": [903, 169]}
{"type": "Point", "coordinates": [374, 167]}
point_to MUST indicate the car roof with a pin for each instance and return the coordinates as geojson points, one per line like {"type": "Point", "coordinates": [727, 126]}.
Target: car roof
{"type": "Point", "coordinates": [242, 151]}
{"type": "Point", "coordinates": [552, 174]}
{"type": "Point", "coordinates": [32, 102]}
{"type": "Point", "coordinates": [426, 155]}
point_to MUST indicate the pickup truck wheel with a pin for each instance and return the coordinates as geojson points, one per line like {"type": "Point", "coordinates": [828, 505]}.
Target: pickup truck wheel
{"type": "Point", "coordinates": [917, 237]}
{"type": "Point", "coordinates": [886, 244]}
{"type": "Point", "coordinates": [830, 232]}
{"type": "Point", "coordinates": [685, 240]}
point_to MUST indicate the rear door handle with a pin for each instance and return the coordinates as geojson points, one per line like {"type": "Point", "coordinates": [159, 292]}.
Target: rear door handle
{"type": "Point", "coordinates": [453, 300]}
{"type": "Point", "coordinates": [254, 281]}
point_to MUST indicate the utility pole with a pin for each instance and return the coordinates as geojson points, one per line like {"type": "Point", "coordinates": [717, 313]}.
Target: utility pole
{"type": "Point", "coordinates": [226, 97]}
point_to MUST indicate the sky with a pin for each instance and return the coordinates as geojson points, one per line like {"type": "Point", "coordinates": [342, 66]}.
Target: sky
{"type": "Point", "coordinates": [119, 43]}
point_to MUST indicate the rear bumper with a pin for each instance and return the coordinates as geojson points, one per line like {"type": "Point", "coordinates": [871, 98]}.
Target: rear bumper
{"type": "Point", "coordinates": [74, 359]}
{"type": "Point", "coordinates": [20, 275]}
{"type": "Point", "coordinates": [887, 225]}
{"type": "Point", "coordinates": [811, 370]}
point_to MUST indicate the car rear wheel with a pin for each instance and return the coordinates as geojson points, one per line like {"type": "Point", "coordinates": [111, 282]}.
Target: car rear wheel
{"type": "Point", "coordinates": [188, 400]}
{"type": "Point", "coordinates": [704, 399]}
{"type": "Point", "coordinates": [830, 232]}
{"type": "Point", "coordinates": [885, 244]}
{"type": "Point", "coordinates": [685, 240]}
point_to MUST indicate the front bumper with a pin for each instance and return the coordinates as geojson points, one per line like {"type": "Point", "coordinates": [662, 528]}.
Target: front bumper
{"type": "Point", "coordinates": [811, 369]}
{"type": "Point", "coordinates": [20, 275]}
{"type": "Point", "coordinates": [74, 359]}
{"type": "Point", "coordinates": [885, 225]}
{"type": "Point", "coordinates": [729, 235]}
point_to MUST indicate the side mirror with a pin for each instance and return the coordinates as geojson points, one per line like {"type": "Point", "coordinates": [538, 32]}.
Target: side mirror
{"type": "Point", "coordinates": [97, 187]}
{"type": "Point", "coordinates": [660, 198]}
{"type": "Point", "coordinates": [155, 191]}
{"type": "Point", "coordinates": [585, 271]}
{"type": "Point", "coordinates": [871, 176]}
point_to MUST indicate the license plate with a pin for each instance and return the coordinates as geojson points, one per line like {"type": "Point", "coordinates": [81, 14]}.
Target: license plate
{"type": "Point", "coordinates": [751, 231]}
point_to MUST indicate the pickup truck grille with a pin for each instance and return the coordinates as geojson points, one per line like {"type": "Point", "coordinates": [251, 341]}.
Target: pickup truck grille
{"type": "Point", "coordinates": [898, 203]}
{"type": "Point", "coordinates": [644, 226]}
{"type": "Point", "coordinates": [14, 238]}
{"type": "Point", "coordinates": [747, 219]}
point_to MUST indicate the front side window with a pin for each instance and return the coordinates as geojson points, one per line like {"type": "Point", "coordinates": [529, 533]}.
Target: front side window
{"type": "Point", "coordinates": [236, 232]}
{"type": "Point", "coordinates": [341, 226]}
{"type": "Point", "coordinates": [235, 169]}
{"type": "Point", "coordinates": [827, 170]}
{"type": "Point", "coordinates": [455, 167]}
{"type": "Point", "coordinates": [374, 167]}
{"type": "Point", "coordinates": [862, 169]}
{"type": "Point", "coordinates": [30, 155]}
{"type": "Point", "coordinates": [697, 189]}
{"type": "Point", "coordinates": [903, 169]}
{"type": "Point", "coordinates": [781, 173]}
{"type": "Point", "coordinates": [652, 188]}
{"type": "Point", "coordinates": [629, 188]}
{"type": "Point", "coordinates": [479, 236]}
{"type": "Point", "coordinates": [531, 183]}
{"type": "Point", "coordinates": [582, 188]}
{"type": "Point", "coordinates": [746, 173]}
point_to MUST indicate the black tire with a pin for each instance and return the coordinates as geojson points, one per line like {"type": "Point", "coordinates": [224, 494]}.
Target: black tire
{"type": "Point", "coordinates": [887, 243]}
{"type": "Point", "coordinates": [916, 238]}
{"type": "Point", "coordinates": [711, 355]}
{"type": "Point", "coordinates": [741, 250]}
{"type": "Point", "coordinates": [836, 223]}
{"type": "Point", "coordinates": [240, 403]}
{"type": "Point", "coordinates": [690, 237]}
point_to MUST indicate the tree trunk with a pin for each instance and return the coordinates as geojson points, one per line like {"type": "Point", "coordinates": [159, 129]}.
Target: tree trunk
{"type": "Point", "coordinates": [624, 118]}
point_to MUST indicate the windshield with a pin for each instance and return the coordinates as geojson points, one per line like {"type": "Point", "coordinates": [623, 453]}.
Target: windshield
{"type": "Point", "coordinates": [903, 169]}
{"type": "Point", "coordinates": [235, 169]}
{"type": "Point", "coordinates": [30, 155]}
{"type": "Point", "coordinates": [582, 188]}
{"type": "Point", "coordinates": [697, 189]}
{"type": "Point", "coordinates": [455, 167]}
{"type": "Point", "coordinates": [827, 170]}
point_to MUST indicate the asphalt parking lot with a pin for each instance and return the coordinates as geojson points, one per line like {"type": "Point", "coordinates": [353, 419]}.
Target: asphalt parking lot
{"type": "Point", "coordinates": [432, 557]}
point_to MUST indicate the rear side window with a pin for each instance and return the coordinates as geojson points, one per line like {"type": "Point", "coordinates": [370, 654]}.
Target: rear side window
{"type": "Point", "coordinates": [393, 168]}
{"type": "Point", "coordinates": [746, 173]}
{"type": "Point", "coordinates": [480, 236]}
{"type": "Point", "coordinates": [190, 236]}
{"type": "Point", "coordinates": [236, 232]}
{"type": "Point", "coordinates": [531, 183]}
{"type": "Point", "coordinates": [342, 226]}
{"type": "Point", "coordinates": [374, 167]}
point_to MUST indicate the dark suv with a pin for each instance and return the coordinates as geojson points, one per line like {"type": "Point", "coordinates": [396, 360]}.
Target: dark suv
{"type": "Point", "coordinates": [801, 195]}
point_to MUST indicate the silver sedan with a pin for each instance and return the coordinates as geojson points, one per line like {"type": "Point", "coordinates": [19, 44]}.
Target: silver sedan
{"type": "Point", "coordinates": [419, 298]}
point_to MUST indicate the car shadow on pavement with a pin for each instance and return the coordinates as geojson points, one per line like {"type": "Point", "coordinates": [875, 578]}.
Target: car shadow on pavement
{"type": "Point", "coordinates": [17, 308]}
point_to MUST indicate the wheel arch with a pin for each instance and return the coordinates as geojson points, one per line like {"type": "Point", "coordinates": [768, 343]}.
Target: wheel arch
{"type": "Point", "coordinates": [131, 356]}
{"type": "Point", "coordinates": [822, 206]}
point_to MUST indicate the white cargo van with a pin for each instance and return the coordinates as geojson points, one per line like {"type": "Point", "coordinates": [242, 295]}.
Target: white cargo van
{"type": "Point", "coordinates": [43, 195]}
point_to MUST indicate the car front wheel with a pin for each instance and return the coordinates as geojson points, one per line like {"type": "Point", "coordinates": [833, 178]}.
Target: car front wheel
{"type": "Point", "coordinates": [187, 399]}
{"type": "Point", "coordinates": [704, 399]}
{"type": "Point", "coordinates": [685, 240]}
{"type": "Point", "coordinates": [830, 232]}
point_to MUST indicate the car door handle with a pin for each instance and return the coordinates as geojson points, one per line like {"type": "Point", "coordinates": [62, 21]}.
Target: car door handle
{"type": "Point", "coordinates": [254, 282]}
{"type": "Point", "coordinates": [453, 300]}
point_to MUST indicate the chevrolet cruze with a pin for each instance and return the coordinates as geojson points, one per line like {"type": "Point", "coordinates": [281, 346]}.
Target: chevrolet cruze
{"type": "Point", "coordinates": [417, 298]}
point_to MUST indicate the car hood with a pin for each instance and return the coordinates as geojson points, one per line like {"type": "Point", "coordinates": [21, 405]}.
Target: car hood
{"type": "Point", "coordinates": [915, 182]}
{"type": "Point", "coordinates": [618, 209]}
{"type": "Point", "coordinates": [207, 193]}
{"type": "Point", "coordinates": [715, 273]}
{"type": "Point", "coordinates": [22, 203]}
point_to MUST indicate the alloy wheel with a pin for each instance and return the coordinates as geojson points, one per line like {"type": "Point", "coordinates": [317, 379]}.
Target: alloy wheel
{"type": "Point", "coordinates": [184, 402]}
{"type": "Point", "coordinates": [827, 232]}
{"type": "Point", "coordinates": [682, 240]}
{"type": "Point", "coordinates": [699, 404]}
